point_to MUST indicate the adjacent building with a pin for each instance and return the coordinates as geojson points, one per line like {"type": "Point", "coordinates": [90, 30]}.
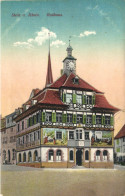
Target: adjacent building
{"type": "Point", "coordinates": [120, 145]}
{"type": "Point", "coordinates": [67, 123]}
{"type": "Point", "coordinates": [8, 139]}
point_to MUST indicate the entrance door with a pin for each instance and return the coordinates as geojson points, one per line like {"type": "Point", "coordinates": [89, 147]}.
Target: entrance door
{"type": "Point", "coordinates": [79, 157]}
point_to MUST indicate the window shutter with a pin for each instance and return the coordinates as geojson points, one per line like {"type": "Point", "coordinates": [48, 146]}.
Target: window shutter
{"type": "Point", "coordinates": [64, 118]}
{"type": "Point", "coordinates": [35, 119]}
{"type": "Point", "coordinates": [74, 118]}
{"type": "Point", "coordinates": [93, 100]}
{"type": "Point", "coordinates": [84, 99]}
{"type": "Point", "coordinates": [94, 119]}
{"type": "Point", "coordinates": [103, 120]}
{"type": "Point", "coordinates": [74, 98]}
{"type": "Point", "coordinates": [84, 119]}
{"type": "Point", "coordinates": [112, 121]}
{"type": "Point", "coordinates": [64, 97]}
{"type": "Point", "coordinates": [54, 117]}
{"type": "Point", "coordinates": [43, 116]}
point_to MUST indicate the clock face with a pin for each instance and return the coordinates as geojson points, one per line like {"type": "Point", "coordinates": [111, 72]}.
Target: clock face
{"type": "Point", "coordinates": [70, 65]}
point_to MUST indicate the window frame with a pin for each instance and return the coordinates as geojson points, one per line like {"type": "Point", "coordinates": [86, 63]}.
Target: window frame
{"type": "Point", "coordinates": [79, 118]}
{"type": "Point", "coordinates": [48, 117]}
{"type": "Point", "coordinates": [79, 97]}
{"type": "Point", "coordinates": [71, 133]}
{"type": "Point", "coordinates": [58, 134]}
{"type": "Point", "coordinates": [70, 98]}
{"type": "Point", "coordinates": [69, 118]}
{"type": "Point", "coordinates": [89, 99]}
{"type": "Point", "coordinates": [59, 117]}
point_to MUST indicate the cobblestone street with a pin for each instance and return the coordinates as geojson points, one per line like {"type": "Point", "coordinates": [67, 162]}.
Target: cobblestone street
{"type": "Point", "coordinates": [25, 181]}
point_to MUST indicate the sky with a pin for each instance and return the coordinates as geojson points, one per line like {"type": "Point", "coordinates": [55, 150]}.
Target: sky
{"type": "Point", "coordinates": [96, 30]}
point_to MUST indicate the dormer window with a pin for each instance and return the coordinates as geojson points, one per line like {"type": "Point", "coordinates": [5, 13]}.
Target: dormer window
{"type": "Point", "coordinates": [34, 102]}
{"type": "Point", "coordinates": [76, 80]}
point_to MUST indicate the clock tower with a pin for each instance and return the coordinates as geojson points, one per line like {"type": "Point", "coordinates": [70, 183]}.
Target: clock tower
{"type": "Point", "coordinates": [69, 63]}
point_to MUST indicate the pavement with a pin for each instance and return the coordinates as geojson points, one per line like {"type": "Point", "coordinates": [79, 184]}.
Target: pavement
{"type": "Point", "coordinates": [80, 181]}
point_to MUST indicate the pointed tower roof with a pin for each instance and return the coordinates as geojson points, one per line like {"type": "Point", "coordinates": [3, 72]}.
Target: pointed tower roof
{"type": "Point", "coordinates": [49, 77]}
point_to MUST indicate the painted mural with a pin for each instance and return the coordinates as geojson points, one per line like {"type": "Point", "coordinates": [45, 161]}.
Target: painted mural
{"type": "Point", "coordinates": [54, 136]}
{"type": "Point", "coordinates": [101, 138]}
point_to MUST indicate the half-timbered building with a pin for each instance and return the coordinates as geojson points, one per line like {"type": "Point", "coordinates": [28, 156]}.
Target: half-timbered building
{"type": "Point", "coordinates": [67, 123]}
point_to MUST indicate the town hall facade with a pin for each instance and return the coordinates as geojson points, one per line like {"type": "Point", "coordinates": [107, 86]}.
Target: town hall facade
{"type": "Point", "coordinates": [67, 123]}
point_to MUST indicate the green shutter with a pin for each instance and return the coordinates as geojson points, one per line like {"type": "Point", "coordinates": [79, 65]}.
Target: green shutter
{"type": "Point", "coordinates": [54, 117]}
{"type": "Point", "coordinates": [84, 99]}
{"type": "Point", "coordinates": [93, 119]}
{"type": "Point", "coordinates": [74, 98]}
{"type": "Point", "coordinates": [102, 120]}
{"type": "Point", "coordinates": [74, 118]}
{"type": "Point", "coordinates": [93, 100]}
{"type": "Point", "coordinates": [118, 149]}
{"type": "Point", "coordinates": [35, 119]}
{"type": "Point", "coordinates": [117, 141]}
{"type": "Point", "coordinates": [84, 119]}
{"type": "Point", "coordinates": [112, 121]}
{"type": "Point", "coordinates": [64, 97]}
{"type": "Point", "coordinates": [43, 116]}
{"type": "Point", "coordinates": [64, 116]}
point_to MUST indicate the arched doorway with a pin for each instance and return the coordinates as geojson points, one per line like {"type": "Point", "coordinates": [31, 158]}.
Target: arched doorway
{"type": "Point", "coordinates": [79, 157]}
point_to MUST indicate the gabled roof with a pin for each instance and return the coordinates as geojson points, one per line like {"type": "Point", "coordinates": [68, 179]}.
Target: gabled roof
{"type": "Point", "coordinates": [67, 82]}
{"type": "Point", "coordinates": [121, 133]}
{"type": "Point", "coordinates": [82, 84]}
{"type": "Point", "coordinates": [101, 102]}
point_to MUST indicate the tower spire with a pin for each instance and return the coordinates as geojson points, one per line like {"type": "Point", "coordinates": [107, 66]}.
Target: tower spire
{"type": "Point", "coordinates": [49, 77]}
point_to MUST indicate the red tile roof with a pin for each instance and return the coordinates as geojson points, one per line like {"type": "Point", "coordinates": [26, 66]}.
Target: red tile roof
{"type": "Point", "coordinates": [82, 84]}
{"type": "Point", "coordinates": [67, 81]}
{"type": "Point", "coordinates": [40, 96]}
{"type": "Point", "coordinates": [59, 82]}
{"type": "Point", "coordinates": [121, 133]}
{"type": "Point", "coordinates": [101, 102]}
{"type": "Point", "coordinates": [52, 97]}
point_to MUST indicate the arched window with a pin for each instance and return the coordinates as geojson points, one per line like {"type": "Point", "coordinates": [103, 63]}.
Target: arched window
{"type": "Point", "coordinates": [86, 155]}
{"type": "Point", "coordinates": [8, 155]}
{"type": "Point", "coordinates": [30, 157]}
{"type": "Point", "coordinates": [71, 155]}
{"type": "Point", "coordinates": [105, 153]}
{"type": "Point", "coordinates": [24, 157]}
{"type": "Point", "coordinates": [14, 154]}
{"type": "Point", "coordinates": [51, 155]}
{"type": "Point", "coordinates": [58, 155]}
{"type": "Point", "coordinates": [4, 155]}
{"type": "Point", "coordinates": [98, 155]}
{"type": "Point", "coordinates": [19, 157]}
{"type": "Point", "coordinates": [35, 155]}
